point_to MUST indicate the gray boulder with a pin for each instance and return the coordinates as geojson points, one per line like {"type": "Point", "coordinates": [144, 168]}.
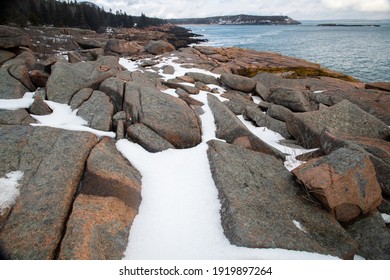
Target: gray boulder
{"type": "Point", "coordinates": [114, 88]}
{"type": "Point", "coordinates": [98, 111]}
{"type": "Point", "coordinates": [373, 237]}
{"type": "Point", "coordinates": [120, 130]}
{"type": "Point", "coordinates": [378, 150]}
{"type": "Point", "coordinates": [80, 97]}
{"type": "Point", "coordinates": [123, 47]}
{"type": "Point", "coordinates": [204, 78]}
{"type": "Point", "coordinates": [11, 88]}
{"type": "Point", "coordinates": [238, 82]}
{"type": "Point", "coordinates": [21, 73]}
{"type": "Point", "coordinates": [5, 55]}
{"type": "Point", "coordinates": [385, 206]}
{"type": "Point", "coordinates": [268, 80]}
{"type": "Point", "coordinates": [262, 120]}
{"type": "Point", "coordinates": [53, 162]}
{"type": "Point", "coordinates": [183, 95]}
{"type": "Point", "coordinates": [189, 89]}
{"type": "Point", "coordinates": [295, 100]}
{"type": "Point", "coordinates": [146, 79]}
{"type": "Point", "coordinates": [147, 138]}
{"type": "Point", "coordinates": [262, 206]}
{"type": "Point", "coordinates": [238, 101]}
{"type": "Point", "coordinates": [279, 112]}
{"type": "Point", "coordinates": [168, 116]}
{"type": "Point", "coordinates": [14, 117]}
{"type": "Point", "coordinates": [262, 91]}
{"type": "Point", "coordinates": [231, 129]}
{"type": "Point", "coordinates": [39, 107]}
{"type": "Point", "coordinates": [344, 117]}
{"type": "Point", "coordinates": [26, 58]}
{"type": "Point", "coordinates": [159, 47]}
{"type": "Point", "coordinates": [74, 57]}
{"type": "Point", "coordinates": [11, 37]}
{"type": "Point", "coordinates": [67, 79]}
{"type": "Point", "coordinates": [89, 43]}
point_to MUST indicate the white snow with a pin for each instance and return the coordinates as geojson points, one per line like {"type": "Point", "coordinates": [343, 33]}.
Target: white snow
{"type": "Point", "coordinates": [9, 189]}
{"type": "Point", "coordinates": [272, 138]}
{"type": "Point", "coordinates": [386, 218]}
{"type": "Point", "coordinates": [179, 217]}
{"type": "Point", "coordinates": [63, 117]}
{"type": "Point", "coordinates": [20, 103]}
{"type": "Point", "coordinates": [256, 99]}
{"type": "Point", "coordinates": [299, 226]}
{"type": "Point", "coordinates": [179, 69]}
{"type": "Point", "coordinates": [130, 65]}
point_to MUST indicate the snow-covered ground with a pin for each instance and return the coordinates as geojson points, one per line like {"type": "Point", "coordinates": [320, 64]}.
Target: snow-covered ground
{"type": "Point", "coordinates": [62, 117]}
{"type": "Point", "coordinates": [9, 189]}
{"type": "Point", "coordinates": [179, 215]}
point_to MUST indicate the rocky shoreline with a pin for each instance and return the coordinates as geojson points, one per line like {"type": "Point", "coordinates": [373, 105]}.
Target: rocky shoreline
{"type": "Point", "coordinates": [78, 195]}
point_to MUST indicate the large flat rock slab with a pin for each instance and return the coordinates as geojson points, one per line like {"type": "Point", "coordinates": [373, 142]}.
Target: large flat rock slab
{"type": "Point", "coordinates": [53, 162]}
{"type": "Point", "coordinates": [98, 229]}
{"type": "Point", "coordinates": [343, 117]}
{"type": "Point", "coordinates": [262, 206]}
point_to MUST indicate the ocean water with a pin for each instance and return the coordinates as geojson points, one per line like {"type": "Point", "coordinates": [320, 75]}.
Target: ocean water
{"type": "Point", "coordinates": [362, 52]}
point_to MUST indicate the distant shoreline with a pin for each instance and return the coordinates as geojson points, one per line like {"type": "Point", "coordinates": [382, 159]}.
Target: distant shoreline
{"type": "Point", "coordinates": [348, 25]}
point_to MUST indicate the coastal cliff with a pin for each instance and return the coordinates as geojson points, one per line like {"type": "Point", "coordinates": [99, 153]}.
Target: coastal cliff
{"type": "Point", "coordinates": [298, 154]}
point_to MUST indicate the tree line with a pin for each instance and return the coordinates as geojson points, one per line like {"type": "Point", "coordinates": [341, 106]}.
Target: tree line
{"type": "Point", "coordinates": [69, 14]}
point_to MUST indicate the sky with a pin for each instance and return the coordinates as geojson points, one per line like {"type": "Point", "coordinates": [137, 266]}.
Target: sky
{"type": "Point", "coordinates": [296, 9]}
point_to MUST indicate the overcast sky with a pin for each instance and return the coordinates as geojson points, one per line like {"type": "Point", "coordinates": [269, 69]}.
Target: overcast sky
{"type": "Point", "coordinates": [297, 9]}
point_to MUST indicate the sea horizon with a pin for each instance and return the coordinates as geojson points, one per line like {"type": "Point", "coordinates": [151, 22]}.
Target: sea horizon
{"type": "Point", "coordinates": [358, 51]}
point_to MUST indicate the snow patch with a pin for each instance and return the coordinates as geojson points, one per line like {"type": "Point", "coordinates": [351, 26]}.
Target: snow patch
{"type": "Point", "coordinates": [20, 103]}
{"type": "Point", "coordinates": [179, 69]}
{"type": "Point", "coordinates": [9, 189]}
{"type": "Point", "coordinates": [299, 226]}
{"type": "Point", "coordinates": [273, 139]}
{"type": "Point", "coordinates": [256, 99]}
{"type": "Point", "coordinates": [63, 117]}
{"type": "Point", "coordinates": [386, 218]}
{"type": "Point", "coordinates": [170, 91]}
{"type": "Point", "coordinates": [130, 65]}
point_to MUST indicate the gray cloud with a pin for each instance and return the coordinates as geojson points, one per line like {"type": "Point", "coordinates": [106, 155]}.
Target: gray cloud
{"type": "Point", "coordinates": [298, 9]}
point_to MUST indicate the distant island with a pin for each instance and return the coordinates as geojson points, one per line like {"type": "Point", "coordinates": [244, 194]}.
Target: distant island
{"type": "Point", "coordinates": [238, 20]}
{"type": "Point", "coordinates": [347, 25]}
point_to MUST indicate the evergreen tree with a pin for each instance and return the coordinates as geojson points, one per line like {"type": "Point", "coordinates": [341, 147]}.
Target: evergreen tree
{"type": "Point", "coordinates": [143, 21]}
{"type": "Point", "coordinates": [80, 20]}
{"type": "Point", "coordinates": [68, 13]}
{"type": "Point", "coordinates": [44, 13]}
